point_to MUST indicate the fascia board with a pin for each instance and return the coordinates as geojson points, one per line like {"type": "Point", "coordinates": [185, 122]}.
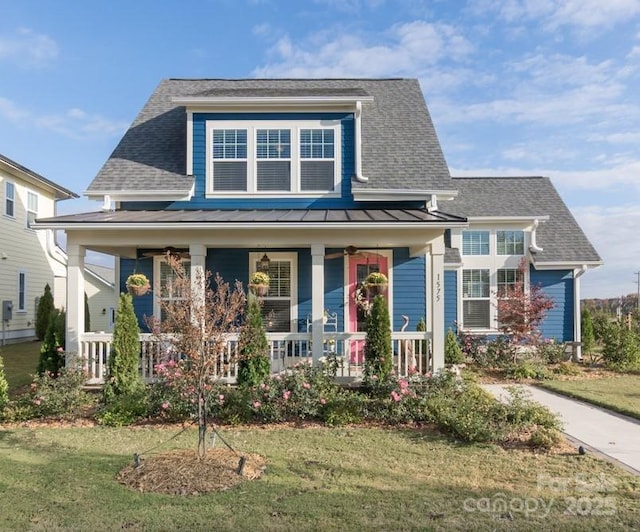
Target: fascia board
{"type": "Point", "coordinates": [566, 265]}
{"type": "Point", "coordinates": [408, 194]}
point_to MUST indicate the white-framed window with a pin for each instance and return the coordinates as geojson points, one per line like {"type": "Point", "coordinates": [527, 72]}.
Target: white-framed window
{"type": "Point", "coordinates": [22, 291]}
{"type": "Point", "coordinates": [510, 242]}
{"type": "Point", "coordinates": [273, 157]}
{"type": "Point", "coordinates": [32, 208]}
{"type": "Point", "coordinates": [507, 279]}
{"type": "Point", "coordinates": [476, 298]}
{"type": "Point", "coordinates": [475, 243]}
{"type": "Point", "coordinates": [166, 277]}
{"type": "Point", "coordinates": [279, 306]}
{"type": "Point", "coordinates": [10, 199]}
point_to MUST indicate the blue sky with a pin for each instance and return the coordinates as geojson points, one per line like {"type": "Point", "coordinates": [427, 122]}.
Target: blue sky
{"type": "Point", "coordinates": [515, 87]}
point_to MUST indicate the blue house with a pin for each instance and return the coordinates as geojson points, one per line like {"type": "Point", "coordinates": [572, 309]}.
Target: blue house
{"type": "Point", "coordinates": [320, 182]}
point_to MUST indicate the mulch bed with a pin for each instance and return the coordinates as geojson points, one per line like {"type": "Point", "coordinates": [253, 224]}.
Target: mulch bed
{"type": "Point", "coordinates": [180, 472]}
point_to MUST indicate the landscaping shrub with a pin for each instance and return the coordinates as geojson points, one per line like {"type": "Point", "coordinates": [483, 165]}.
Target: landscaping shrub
{"type": "Point", "coordinates": [621, 350]}
{"type": "Point", "coordinates": [123, 377]}
{"type": "Point", "coordinates": [473, 347]}
{"type": "Point", "coordinates": [4, 388]}
{"type": "Point", "coordinates": [52, 348]}
{"type": "Point", "coordinates": [125, 409]}
{"type": "Point", "coordinates": [528, 369]}
{"type": "Point", "coordinates": [43, 312]}
{"type": "Point", "coordinates": [254, 365]}
{"type": "Point", "coordinates": [587, 331]}
{"type": "Point", "coordinates": [499, 352]}
{"type": "Point", "coordinates": [566, 368]}
{"type": "Point", "coordinates": [52, 395]}
{"type": "Point", "coordinates": [551, 351]}
{"type": "Point", "coordinates": [452, 350]}
{"type": "Point", "coordinates": [378, 360]}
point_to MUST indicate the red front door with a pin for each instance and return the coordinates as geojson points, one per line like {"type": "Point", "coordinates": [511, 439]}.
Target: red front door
{"type": "Point", "coordinates": [359, 267]}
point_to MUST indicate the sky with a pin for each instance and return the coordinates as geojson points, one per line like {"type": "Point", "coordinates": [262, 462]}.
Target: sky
{"type": "Point", "coordinates": [514, 87]}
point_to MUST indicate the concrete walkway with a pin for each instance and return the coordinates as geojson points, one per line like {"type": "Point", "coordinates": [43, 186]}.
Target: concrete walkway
{"type": "Point", "coordinates": [611, 434]}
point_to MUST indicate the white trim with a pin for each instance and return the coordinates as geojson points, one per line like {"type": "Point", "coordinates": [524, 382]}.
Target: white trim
{"type": "Point", "coordinates": [358, 145]}
{"type": "Point", "coordinates": [566, 265]}
{"type": "Point", "coordinates": [507, 219]}
{"type": "Point", "coordinates": [211, 102]}
{"type": "Point", "coordinates": [157, 282]}
{"type": "Point", "coordinates": [292, 257]}
{"type": "Point", "coordinates": [13, 199]}
{"type": "Point", "coordinates": [189, 142]}
{"type": "Point", "coordinates": [141, 195]}
{"type": "Point", "coordinates": [577, 315]}
{"type": "Point", "coordinates": [31, 194]}
{"type": "Point", "coordinates": [251, 127]}
{"type": "Point", "coordinates": [379, 194]}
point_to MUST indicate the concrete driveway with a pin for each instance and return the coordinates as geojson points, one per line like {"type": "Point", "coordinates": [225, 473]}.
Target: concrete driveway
{"type": "Point", "coordinates": [615, 436]}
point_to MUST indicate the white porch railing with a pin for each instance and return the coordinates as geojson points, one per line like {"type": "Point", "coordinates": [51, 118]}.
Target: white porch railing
{"type": "Point", "coordinates": [411, 351]}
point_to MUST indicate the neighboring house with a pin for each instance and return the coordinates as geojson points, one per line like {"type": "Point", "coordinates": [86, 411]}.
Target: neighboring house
{"type": "Point", "coordinates": [319, 182]}
{"type": "Point", "coordinates": [29, 259]}
{"type": "Point", "coordinates": [101, 296]}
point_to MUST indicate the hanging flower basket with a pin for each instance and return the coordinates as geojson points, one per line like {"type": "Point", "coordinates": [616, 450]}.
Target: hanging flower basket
{"type": "Point", "coordinates": [138, 284]}
{"type": "Point", "coordinates": [376, 284]}
{"type": "Point", "coordinates": [259, 284]}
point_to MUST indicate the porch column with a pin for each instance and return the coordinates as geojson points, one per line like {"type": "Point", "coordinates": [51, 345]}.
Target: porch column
{"type": "Point", "coordinates": [317, 300]}
{"type": "Point", "coordinates": [198, 253]}
{"type": "Point", "coordinates": [437, 303]}
{"type": "Point", "coordinates": [75, 300]}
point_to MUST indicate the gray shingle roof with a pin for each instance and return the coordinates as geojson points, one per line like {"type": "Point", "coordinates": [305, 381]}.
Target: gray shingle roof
{"type": "Point", "coordinates": [253, 216]}
{"type": "Point", "coordinates": [400, 148]}
{"type": "Point", "coordinates": [561, 238]}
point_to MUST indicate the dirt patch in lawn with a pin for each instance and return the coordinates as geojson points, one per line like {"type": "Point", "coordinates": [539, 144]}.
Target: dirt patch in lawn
{"type": "Point", "coordinates": [180, 472]}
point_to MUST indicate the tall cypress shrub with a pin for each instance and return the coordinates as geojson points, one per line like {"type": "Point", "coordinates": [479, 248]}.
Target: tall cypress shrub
{"type": "Point", "coordinates": [43, 312]}
{"type": "Point", "coordinates": [254, 365]}
{"type": "Point", "coordinates": [123, 376]}
{"type": "Point", "coordinates": [378, 359]}
{"type": "Point", "coordinates": [53, 345]}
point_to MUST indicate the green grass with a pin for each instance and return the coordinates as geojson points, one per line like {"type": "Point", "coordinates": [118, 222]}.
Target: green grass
{"type": "Point", "coordinates": [20, 362]}
{"type": "Point", "coordinates": [619, 393]}
{"type": "Point", "coordinates": [316, 479]}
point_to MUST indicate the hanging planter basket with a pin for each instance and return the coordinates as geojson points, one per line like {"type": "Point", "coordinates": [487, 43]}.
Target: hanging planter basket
{"type": "Point", "coordinates": [259, 290]}
{"type": "Point", "coordinates": [138, 284]}
{"type": "Point", "coordinates": [376, 289]}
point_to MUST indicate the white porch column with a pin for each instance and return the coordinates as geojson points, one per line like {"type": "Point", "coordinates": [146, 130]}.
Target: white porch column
{"type": "Point", "coordinates": [317, 300]}
{"type": "Point", "coordinates": [437, 303]}
{"type": "Point", "coordinates": [75, 299]}
{"type": "Point", "coordinates": [198, 254]}
{"type": "Point", "coordinates": [577, 315]}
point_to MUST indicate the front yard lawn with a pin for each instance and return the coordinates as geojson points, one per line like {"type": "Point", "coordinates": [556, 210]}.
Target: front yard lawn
{"type": "Point", "coordinates": [20, 362]}
{"type": "Point", "coordinates": [316, 479]}
{"type": "Point", "coordinates": [620, 393]}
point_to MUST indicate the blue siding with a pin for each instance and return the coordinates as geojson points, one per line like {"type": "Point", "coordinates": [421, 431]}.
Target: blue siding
{"type": "Point", "coordinates": [558, 285]}
{"type": "Point", "coordinates": [199, 165]}
{"type": "Point", "coordinates": [142, 305]}
{"type": "Point", "coordinates": [408, 289]}
{"type": "Point", "coordinates": [450, 299]}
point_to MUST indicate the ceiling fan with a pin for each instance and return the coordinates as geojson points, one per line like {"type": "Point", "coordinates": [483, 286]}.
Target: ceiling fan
{"type": "Point", "coordinates": [351, 251]}
{"type": "Point", "coordinates": [180, 254]}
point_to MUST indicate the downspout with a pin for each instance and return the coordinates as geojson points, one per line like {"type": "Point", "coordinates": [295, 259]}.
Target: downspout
{"type": "Point", "coordinates": [534, 248]}
{"type": "Point", "coordinates": [55, 251]}
{"type": "Point", "coordinates": [358, 144]}
{"type": "Point", "coordinates": [577, 316]}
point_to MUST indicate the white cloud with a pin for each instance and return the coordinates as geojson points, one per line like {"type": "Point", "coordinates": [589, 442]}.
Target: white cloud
{"type": "Point", "coordinates": [74, 123]}
{"type": "Point", "coordinates": [27, 48]}
{"type": "Point", "coordinates": [405, 49]}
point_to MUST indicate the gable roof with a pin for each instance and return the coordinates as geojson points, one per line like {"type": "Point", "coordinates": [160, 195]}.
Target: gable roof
{"type": "Point", "coordinates": [400, 148]}
{"type": "Point", "coordinates": [58, 191]}
{"type": "Point", "coordinates": [560, 237]}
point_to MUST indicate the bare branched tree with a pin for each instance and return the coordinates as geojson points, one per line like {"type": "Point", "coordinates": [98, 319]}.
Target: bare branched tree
{"type": "Point", "coordinates": [197, 315]}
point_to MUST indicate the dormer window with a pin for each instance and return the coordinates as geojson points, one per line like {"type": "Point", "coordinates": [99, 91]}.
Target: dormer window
{"type": "Point", "coordinates": [273, 157]}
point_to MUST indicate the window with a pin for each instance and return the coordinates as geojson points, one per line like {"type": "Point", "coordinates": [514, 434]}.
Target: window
{"type": "Point", "coordinates": [168, 292]}
{"type": "Point", "coordinates": [475, 242]}
{"type": "Point", "coordinates": [476, 299]}
{"type": "Point", "coordinates": [22, 291]}
{"type": "Point", "coordinates": [269, 157]}
{"type": "Point", "coordinates": [279, 305]}
{"type": "Point", "coordinates": [230, 159]}
{"type": "Point", "coordinates": [9, 199]}
{"type": "Point", "coordinates": [32, 208]}
{"type": "Point", "coordinates": [508, 278]}
{"type": "Point", "coordinates": [510, 242]}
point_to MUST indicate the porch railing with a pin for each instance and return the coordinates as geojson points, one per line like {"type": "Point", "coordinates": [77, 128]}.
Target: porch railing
{"type": "Point", "coordinates": [411, 353]}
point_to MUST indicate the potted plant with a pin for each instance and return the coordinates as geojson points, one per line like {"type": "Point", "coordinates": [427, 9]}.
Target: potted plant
{"type": "Point", "coordinates": [259, 284]}
{"type": "Point", "coordinates": [138, 284]}
{"type": "Point", "coordinates": [376, 283]}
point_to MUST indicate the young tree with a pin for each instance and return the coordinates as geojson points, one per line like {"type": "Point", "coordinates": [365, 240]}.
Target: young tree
{"type": "Point", "coordinates": [53, 345]}
{"type": "Point", "coordinates": [123, 376]}
{"type": "Point", "coordinates": [43, 313]}
{"type": "Point", "coordinates": [452, 350]}
{"type": "Point", "coordinates": [254, 365]}
{"type": "Point", "coordinates": [586, 326]}
{"type": "Point", "coordinates": [521, 311]}
{"type": "Point", "coordinates": [194, 326]}
{"type": "Point", "coordinates": [378, 360]}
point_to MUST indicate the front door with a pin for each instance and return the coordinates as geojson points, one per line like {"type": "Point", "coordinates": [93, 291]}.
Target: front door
{"type": "Point", "coordinates": [360, 266]}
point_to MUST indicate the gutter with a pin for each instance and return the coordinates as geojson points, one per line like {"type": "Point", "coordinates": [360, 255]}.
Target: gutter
{"type": "Point", "coordinates": [358, 144]}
